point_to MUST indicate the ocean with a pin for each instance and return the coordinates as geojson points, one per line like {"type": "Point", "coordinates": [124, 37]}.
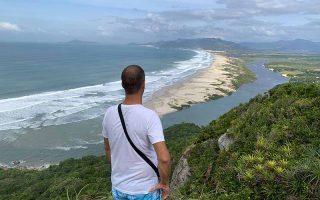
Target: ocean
{"type": "Point", "coordinates": [53, 96]}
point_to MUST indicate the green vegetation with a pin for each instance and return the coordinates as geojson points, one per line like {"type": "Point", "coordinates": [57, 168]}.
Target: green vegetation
{"type": "Point", "coordinates": [224, 91]}
{"type": "Point", "coordinates": [276, 153]}
{"type": "Point", "coordinates": [245, 75]}
{"type": "Point", "coordinates": [217, 84]}
{"type": "Point", "coordinates": [299, 67]}
{"type": "Point", "coordinates": [213, 97]}
{"type": "Point", "coordinates": [90, 173]}
{"type": "Point", "coordinates": [178, 137]}
{"type": "Point", "coordinates": [237, 69]}
{"type": "Point", "coordinates": [181, 107]}
{"type": "Point", "coordinates": [53, 183]}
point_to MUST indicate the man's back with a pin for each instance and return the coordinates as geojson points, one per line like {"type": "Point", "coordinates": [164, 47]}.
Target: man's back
{"type": "Point", "coordinates": [130, 173]}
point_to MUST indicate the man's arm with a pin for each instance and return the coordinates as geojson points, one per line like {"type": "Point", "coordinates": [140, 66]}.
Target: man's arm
{"type": "Point", "coordinates": [107, 149]}
{"type": "Point", "coordinates": [164, 163]}
{"type": "Point", "coordinates": [164, 167]}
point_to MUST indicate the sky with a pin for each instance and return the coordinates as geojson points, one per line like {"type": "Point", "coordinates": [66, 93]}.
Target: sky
{"type": "Point", "coordinates": [140, 21]}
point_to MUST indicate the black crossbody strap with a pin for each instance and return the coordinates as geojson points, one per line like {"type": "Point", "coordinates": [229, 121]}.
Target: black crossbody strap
{"type": "Point", "coordinates": [144, 157]}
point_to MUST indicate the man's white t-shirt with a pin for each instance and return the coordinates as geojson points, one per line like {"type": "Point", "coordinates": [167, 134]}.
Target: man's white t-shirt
{"type": "Point", "coordinates": [130, 173]}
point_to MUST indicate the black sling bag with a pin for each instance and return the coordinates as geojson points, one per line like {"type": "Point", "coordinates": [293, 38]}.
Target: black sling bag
{"type": "Point", "coordinates": [144, 157]}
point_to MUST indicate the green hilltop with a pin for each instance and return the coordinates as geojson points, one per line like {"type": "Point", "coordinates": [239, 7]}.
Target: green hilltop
{"type": "Point", "coordinates": [200, 43]}
{"type": "Point", "coordinates": [217, 44]}
{"type": "Point", "coordinates": [275, 154]}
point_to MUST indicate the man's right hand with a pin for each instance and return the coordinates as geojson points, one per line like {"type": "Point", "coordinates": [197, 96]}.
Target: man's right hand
{"type": "Point", "coordinates": [165, 190]}
{"type": "Point", "coordinates": [164, 165]}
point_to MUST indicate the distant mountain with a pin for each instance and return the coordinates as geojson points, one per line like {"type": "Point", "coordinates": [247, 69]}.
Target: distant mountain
{"type": "Point", "coordinates": [79, 42]}
{"type": "Point", "coordinates": [200, 43]}
{"type": "Point", "coordinates": [297, 45]}
{"type": "Point", "coordinates": [294, 46]}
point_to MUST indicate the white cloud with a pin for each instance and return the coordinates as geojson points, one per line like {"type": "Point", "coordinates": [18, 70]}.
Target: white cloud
{"type": "Point", "coordinates": [103, 31]}
{"type": "Point", "coordinates": [235, 20]}
{"type": "Point", "coordinates": [271, 7]}
{"type": "Point", "coordinates": [9, 26]}
{"type": "Point", "coordinates": [64, 33]}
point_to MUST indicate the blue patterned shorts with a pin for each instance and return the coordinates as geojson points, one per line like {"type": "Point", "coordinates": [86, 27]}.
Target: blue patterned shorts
{"type": "Point", "coordinates": [117, 195]}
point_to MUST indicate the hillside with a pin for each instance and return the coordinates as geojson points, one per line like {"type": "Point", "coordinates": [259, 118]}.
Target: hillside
{"type": "Point", "coordinates": [216, 44]}
{"type": "Point", "coordinates": [275, 152]}
{"type": "Point", "coordinates": [298, 45]}
{"type": "Point", "coordinates": [200, 43]}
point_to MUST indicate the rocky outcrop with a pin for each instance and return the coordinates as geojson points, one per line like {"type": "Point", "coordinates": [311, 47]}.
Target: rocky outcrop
{"type": "Point", "coordinates": [225, 141]}
{"type": "Point", "coordinates": [181, 171]}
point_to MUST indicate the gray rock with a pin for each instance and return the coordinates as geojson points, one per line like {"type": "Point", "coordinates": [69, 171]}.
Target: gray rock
{"type": "Point", "coordinates": [181, 171]}
{"type": "Point", "coordinates": [224, 142]}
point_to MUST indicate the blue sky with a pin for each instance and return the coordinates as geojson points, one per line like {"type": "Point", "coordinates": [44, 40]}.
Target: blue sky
{"type": "Point", "coordinates": [124, 21]}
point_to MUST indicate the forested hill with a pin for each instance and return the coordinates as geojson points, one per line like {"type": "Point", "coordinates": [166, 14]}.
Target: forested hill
{"type": "Point", "coordinates": [297, 46]}
{"type": "Point", "coordinates": [216, 44]}
{"type": "Point", "coordinates": [275, 155]}
{"type": "Point", "coordinates": [200, 43]}
{"type": "Point", "coordinates": [275, 152]}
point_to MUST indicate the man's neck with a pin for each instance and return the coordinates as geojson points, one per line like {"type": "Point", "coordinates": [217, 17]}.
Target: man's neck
{"type": "Point", "coordinates": [132, 99]}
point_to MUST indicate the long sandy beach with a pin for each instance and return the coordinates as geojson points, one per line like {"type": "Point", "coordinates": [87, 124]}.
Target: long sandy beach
{"type": "Point", "coordinates": [210, 83]}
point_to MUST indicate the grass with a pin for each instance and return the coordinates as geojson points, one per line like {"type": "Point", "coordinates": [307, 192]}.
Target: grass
{"type": "Point", "coordinates": [180, 107]}
{"type": "Point", "coordinates": [244, 74]}
{"type": "Point", "coordinates": [298, 67]}
{"type": "Point", "coordinates": [276, 153]}
{"type": "Point", "coordinates": [227, 92]}
{"type": "Point", "coordinates": [214, 97]}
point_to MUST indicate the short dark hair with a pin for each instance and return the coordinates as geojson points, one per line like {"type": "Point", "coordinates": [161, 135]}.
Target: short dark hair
{"type": "Point", "coordinates": [132, 78]}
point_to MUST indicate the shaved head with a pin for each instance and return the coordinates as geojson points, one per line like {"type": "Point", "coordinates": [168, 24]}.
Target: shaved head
{"type": "Point", "coordinates": [132, 78]}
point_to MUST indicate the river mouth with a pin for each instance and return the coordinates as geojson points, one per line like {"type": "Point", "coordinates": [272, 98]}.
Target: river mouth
{"type": "Point", "coordinates": [31, 149]}
{"type": "Point", "coordinates": [203, 113]}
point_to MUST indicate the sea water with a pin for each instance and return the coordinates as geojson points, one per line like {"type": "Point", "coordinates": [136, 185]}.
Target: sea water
{"type": "Point", "coordinates": [52, 96]}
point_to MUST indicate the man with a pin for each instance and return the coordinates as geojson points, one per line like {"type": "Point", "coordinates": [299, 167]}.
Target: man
{"type": "Point", "coordinates": [131, 176]}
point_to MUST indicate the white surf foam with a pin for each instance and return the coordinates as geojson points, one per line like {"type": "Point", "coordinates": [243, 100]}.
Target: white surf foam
{"type": "Point", "coordinates": [73, 105]}
{"type": "Point", "coordinates": [2, 165]}
{"type": "Point", "coordinates": [67, 148]}
{"type": "Point", "coordinates": [84, 142]}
